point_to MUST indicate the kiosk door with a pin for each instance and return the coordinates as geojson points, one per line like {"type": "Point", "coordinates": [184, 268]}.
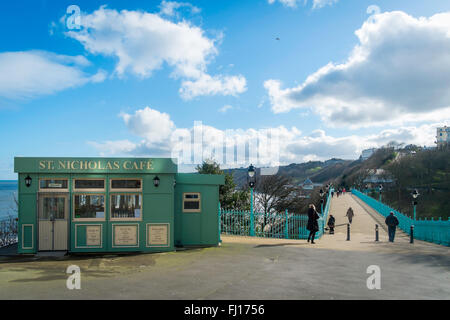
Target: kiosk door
{"type": "Point", "coordinates": [53, 222]}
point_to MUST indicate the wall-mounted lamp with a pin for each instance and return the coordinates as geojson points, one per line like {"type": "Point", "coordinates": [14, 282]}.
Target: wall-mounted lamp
{"type": "Point", "coordinates": [156, 181]}
{"type": "Point", "coordinates": [28, 181]}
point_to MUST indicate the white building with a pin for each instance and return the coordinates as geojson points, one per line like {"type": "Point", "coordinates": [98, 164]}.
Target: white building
{"type": "Point", "coordinates": [367, 153]}
{"type": "Point", "coordinates": [442, 136]}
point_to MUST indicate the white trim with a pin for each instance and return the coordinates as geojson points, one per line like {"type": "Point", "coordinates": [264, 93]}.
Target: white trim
{"type": "Point", "coordinates": [199, 202]}
{"type": "Point", "coordinates": [55, 189]}
{"type": "Point", "coordinates": [138, 190]}
{"type": "Point", "coordinates": [89, 247]}
{"type": "Point", "coordinates": [148, 245]}
{"type": "Point", "coordinates": [32, 236]}
{"type": "Point", "coordinates": [113, 245]}
{"type": "Point", "coordinates": [140, 194]}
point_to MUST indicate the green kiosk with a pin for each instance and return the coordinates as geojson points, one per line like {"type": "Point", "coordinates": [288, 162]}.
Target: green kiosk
{"type": "Point", "coordinates": [114, 205]}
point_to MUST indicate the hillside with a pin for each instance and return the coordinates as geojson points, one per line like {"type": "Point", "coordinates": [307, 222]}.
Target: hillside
{"type": "Point", "coordinates": [317, 171]}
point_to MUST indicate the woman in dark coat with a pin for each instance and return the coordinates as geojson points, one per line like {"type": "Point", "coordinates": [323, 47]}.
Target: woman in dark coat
{"type": "Point", "coordinates": [313, 225]}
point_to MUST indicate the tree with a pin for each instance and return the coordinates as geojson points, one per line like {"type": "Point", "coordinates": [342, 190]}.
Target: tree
{"type": "Point", "coordinates": [229, 197]}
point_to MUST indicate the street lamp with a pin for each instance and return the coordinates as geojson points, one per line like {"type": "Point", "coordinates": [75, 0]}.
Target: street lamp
{"type": "Point", "coordinates": [380, 188]}
{"type": "Point", "coordinates": [415, 194]}
{"type": "Point", "coordinates": [251, 178]}
{"type": "Point", "coordinates": [367, 187]}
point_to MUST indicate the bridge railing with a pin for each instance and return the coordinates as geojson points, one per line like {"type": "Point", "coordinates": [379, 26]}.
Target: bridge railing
{"type": "Point", "coordinates": [437, 231]}
{"type": "Point", "coordinates": [282, 225]}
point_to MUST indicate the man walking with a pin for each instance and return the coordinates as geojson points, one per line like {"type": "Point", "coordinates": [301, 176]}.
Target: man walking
{"type": "Point", "coordinates": [392, 223]}
{"type": "Point", "coordinates": [350, 214]}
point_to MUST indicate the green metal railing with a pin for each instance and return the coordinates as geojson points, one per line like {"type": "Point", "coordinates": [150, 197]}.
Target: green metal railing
{"type": "Point", "coordinates": [282, 225]}
{"type": "Point", "coordinates": [437, 231]}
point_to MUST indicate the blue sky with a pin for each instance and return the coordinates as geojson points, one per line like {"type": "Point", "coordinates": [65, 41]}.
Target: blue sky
{"type": "Point", "coordinates": [95, 92]}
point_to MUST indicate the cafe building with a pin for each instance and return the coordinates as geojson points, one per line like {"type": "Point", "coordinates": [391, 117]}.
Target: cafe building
{"type": "Point", "coordinates": [114, 205]}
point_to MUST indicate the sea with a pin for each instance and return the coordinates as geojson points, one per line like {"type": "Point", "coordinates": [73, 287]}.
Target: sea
{"type": "Point", "coordinates": [8, 191]}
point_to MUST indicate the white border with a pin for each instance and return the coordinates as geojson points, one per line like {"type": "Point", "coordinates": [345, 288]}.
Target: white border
{"type": "Point", "coordinates": [89, 247]}
{"type": "Point", "coordinates": [32, 236]}
{"type": "Point", "coordinates": [148, 245]}
{"type": "Point", "coordinates": [113, 245]}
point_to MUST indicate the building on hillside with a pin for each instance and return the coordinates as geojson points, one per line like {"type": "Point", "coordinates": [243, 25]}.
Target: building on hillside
{"type": "Point", "coordinates": [377, 176]}
{"type": "Point", "coordinates": [309, 185]}
{"type": "Point", "coordinates": [442, 136]}
{"type": "Point", "coordinates": [367, 153]}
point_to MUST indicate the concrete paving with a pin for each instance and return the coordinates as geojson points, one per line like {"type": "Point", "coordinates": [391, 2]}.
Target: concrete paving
{"type": "Point", "coordinates": [247, 268]}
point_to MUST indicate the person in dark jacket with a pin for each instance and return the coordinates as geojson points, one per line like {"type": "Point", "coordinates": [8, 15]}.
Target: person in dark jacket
{"type": "Point", "coordinates": [313, 225]}
{"type": "Point", "coordinates": [392, 223]}
{"type": "Point", "coordinates": [331, 222]}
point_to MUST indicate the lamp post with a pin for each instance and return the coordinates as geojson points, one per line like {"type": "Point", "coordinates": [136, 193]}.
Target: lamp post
{"type": "Point", "coordinates": [251, 178]}
{"type": "Point", "coordinates": [415, 194]}
{"type": "Point", "coordinates": [321, 193]}
{"type": "Point", "coordinates": [380, 188]}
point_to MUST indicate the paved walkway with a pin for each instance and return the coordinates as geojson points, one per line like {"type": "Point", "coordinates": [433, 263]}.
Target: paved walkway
{"type": "Point", "coordinates": [247, 268]}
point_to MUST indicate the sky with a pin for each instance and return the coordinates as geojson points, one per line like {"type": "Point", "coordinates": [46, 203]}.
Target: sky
{"type": "Point", "coordinates": [318, 78]}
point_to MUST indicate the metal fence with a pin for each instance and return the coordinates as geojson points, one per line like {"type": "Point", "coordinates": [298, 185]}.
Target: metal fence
{"type": "Point", "coordinates": [437, 231]}
{"type": "Point", "coordinates": [8, 231]}
{"type": "Point", "coordinates": [282, 225]}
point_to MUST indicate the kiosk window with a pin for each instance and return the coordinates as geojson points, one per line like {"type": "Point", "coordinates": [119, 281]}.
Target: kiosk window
{"type": "Point", "coordinates": [46, 184]}
{"type": "Point", "coordinates": [126, 184]}
{"type": "Point", "coordinates": [91, 184]}
{"type": "Point", "coordinates": [89, 206]}
{"type": "Point", "coordinates": [191, 202]}
{"type": "Point", "coordinates": [126, 206]}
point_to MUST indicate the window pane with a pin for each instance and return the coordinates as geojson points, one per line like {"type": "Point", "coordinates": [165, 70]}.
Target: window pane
{"type": "Point", "coordinates": [191, 196]}
{"type": "Point", "coordinates": [53, 184]}
{"type": "Point", "coordinates": [192, 205]}
{"type": "Point", "coordinates": [126, 184]}
{"type": "Point", "coordinates": [52, 208]}
{"type": "Point", "coordinates": [126, 206]}
{"type": "Point", "coordinates": [89, 184]}
{"type": "Point", "coordinates": [89, 206]}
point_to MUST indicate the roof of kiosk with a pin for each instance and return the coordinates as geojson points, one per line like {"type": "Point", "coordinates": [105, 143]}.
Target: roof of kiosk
{"type": "Point", "coordinates": [95, 165]}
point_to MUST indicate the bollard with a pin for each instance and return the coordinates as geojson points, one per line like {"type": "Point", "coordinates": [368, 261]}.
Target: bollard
{"type": "Point", "coordinates": [348, 231]}
{"type": "Point", "coordinates": [376, 233]}
{"type": "Point", "coordinates": [411, 236]}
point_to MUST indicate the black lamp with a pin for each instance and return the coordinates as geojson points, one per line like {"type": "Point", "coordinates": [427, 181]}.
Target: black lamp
{"type": "Point", "coordinates": [156, 181]}
{"type": "Point", "coordinates": [28, 181]}
{"type": "Point", "coordinates": [251, 176]}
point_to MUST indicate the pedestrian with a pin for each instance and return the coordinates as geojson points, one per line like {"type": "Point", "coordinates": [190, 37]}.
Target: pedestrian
{"type": "Point", "coordinates": [331, 222]}
{"type": "Point", "coordinates": [332, 194]}
{"type": "Point", "coordinates": [350, 214]}
{"type": "Point", "coordinates": [392, 223]}
{"type": "Point", "coordinates": [313, 225]}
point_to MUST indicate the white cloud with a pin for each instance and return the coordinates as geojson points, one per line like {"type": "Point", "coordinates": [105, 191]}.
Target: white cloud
{"type": "Point", "coordinates": [398, 73]}
{"type": "Point", "coordinates": [225, 108]}
{"type": "Point", "coordinates": [144, 42]}
{"type": "Point", "coordinates": [28, 74]}
{"type": "Point", "coordinates": [150, 124]}
{"type": "Point", "coordinates": [160, 137]}
{"type": "Point", "coordinates": [317, 4]}
{"type": "Point", "coordinates": [169, 8]}
{"type": "Point", "coordinates": [207, 85]}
